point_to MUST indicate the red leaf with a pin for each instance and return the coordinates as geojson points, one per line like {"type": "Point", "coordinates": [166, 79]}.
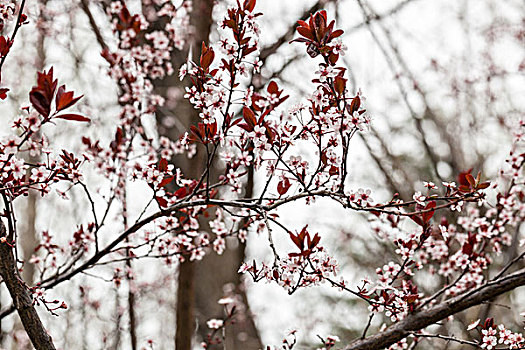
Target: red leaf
{"type": "Point", "coordinates": [248, 50]}
{"type": "Point", "coordinates": [273, 88]}
{"type": "Point", "coordinates": [74, 117]}
{"type": "Point", "coordinates": [5, 44]}
{"type": "Point", "coordinates": [489, 322]}
{"type": "Point", "coordinates": [333, 170]}
{"type": "Point", "coordinates": [211, 130]}
{"type": "Point", "coordinates": [313, 243]}
{"type": "Point", "coordinates": [181, 192]}
{"type": "Point", "coordinates": [462, 177]}
{"type": "Point", "coordinates": [3, 93]}
{"type": "Point", "coordinates": [417, 219]}
{"type": "Point", "coordinates": [428, 215]}
{"type": "Point", "coordinates": [335, 34]}
{"type": "Point", "coordinates": [163, 165]}
{"type": "Point", "coordinates": [65, 99]}
{"type": "Point", "coordinates": [166, 181]}
{"type": "Point", "coordinates": [249, 5]}
{"type": "Point", "coordinates": [464, 188]}
{"type": "Point", "coordinates": [339, 84]}
{"type": "Point", "coordinates": [306, 32]}
{"type": "Point", "coordinates": [39, 102]}
{"type": "Point", "coordinates": [297, 241]}
{"type": "Point", "coordinates": [354, 106]}
{"type": "Point", "coordinates": [483, 185]}
{"type": "Point", "coordinates": [470, 179]}
{"type": "Point", "coordinates": [283, 186]}
{"type": "Point", "coordinates": [42, 94]}
{"type": "Point", "coordinates": [467, 248]}
{"type": "Point", "coordinates": [195, 131]}
{"type": "Point", "coordinates": [332, 58]}
{"type": "Point", "coordinates": [303, 23]}
{"type": "Point", "coordinates": [249, 116]}
{"type": "Point", "coordinates": [207, 56]}
{"type": "Point", "coordinates": [162, 202]}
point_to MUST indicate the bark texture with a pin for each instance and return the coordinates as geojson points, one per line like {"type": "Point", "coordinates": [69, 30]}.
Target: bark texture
{"type": "Point", "coordinates": [21, 297]}
{"type": "Point", "coordinates": [425, 318]}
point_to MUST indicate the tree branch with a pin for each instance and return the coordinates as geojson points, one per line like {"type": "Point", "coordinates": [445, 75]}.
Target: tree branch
{"type": "Point", "coordinates": [96, 30]}
{"type": "Point", "coordinates": [422, 319]}
{"type": "Point", "coordinates": [22, 299]}
{"type": "Point", "coordinates": [283, 39]}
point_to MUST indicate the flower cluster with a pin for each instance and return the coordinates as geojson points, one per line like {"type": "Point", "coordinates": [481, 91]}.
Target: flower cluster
{"type": "Point", "coordinates": [459, 251]}
{"type": "Point", "coordinates": [492, 335]}
{"type": "Point", "coordinates": [312, 265]}
{"type": "Point", "coordinates": [17, 176]}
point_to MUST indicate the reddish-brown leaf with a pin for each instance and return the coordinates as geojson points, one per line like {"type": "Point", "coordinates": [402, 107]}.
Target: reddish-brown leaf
{"type": "Point", "coordinates": [470, 179]}
{"type": "Point", "coordinates": [297, 241]}
{"type": "Point", "coordinates": [249, 116]}
{"type": "Point", "coordinates": [462, 179]}
{"type": "Point", "coordinates": [74, 117]}
{"type": "Point", "coordinates": [166, 180]}
{"type": "Point", "coordinates": [181, 192]}
{"type": "Point", "coordinates": [39, 102]}
{"type": "Point", "coordinates": [162, 202]}
{"type": "Point", "coordinates": [483, 185]}
{"type": "Point", "coordinates": [65, 99]}
{"type": "Point", "coordinates": [163, 165]}
{"type": "Point", "coordinates": [306, 32]}
{"type": "Point", "coordinates": [249, 5]}
{"type": "Point", "coordinates": [339, 84]}
{"type": "Point", "coordinates": [3, 93]}
{"type": "Point", "coordinates": [313, 243]}
{"type": "Point", "coordinates": [302, 23]}
{"type": "Point", "coordinates": [354, 106]}
{"type": "Point", "coordinates": [283, 186]}
{"type": "Point", "coordinates": [273, 88]}
{"type": "Point", "coordinates": [207, 57]}
{"type": "Point", "coordinates": [195, 133]}
{"type": "Point", "coordinates": [428, 215]}
{"type": "Point", "coordinates": [335, 34]}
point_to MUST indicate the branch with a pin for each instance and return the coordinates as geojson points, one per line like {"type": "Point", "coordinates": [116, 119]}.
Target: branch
{"type": "Point", "coordinates": [7, 311]}
{"type": "Point", "coordinates": [447, 338]}
{"type": "Point", "coordinates": [286, 37]}
{"type": "Point", "coordinates": [422, 319]}
{"type": "Point", "coordinates": [17, 26]}
{"type": "Point", "coordinates": [96, 30]}
{"type": "Point", "coordinates": [379, 17]}
{"type": "Point", "coordinates": [433, 157]}
{"type": "Point", "coordinates": [252, 204]}
{"type": "Point", "coordinates": [22, 298]}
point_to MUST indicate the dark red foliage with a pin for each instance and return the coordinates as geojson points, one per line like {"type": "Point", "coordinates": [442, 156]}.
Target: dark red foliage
{"type": "Point", "coordinates": [424, 214]}
{"type": "Point", "coordinates": [41, 95]}
{"type": "Point", "coordinates": [283, 186]}
{"type": "Point", "coordinates": [65, 99]}
{"type": "Point", "coordinates": [317, 35]}
{"type": "Point", "coordinates": [467, 182]}
{"type": "Point", "coordinates": [304, 242]}
{"type": "Point", "coordinates": [3, 93]}
{"type": "Point", "coordinates": [5, 45]}
{"type": "Point", "coordinates": [74, 117]}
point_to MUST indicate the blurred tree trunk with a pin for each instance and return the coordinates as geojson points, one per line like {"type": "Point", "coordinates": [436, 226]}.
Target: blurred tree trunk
{"type": "Point", "coordinates": [200, 284]}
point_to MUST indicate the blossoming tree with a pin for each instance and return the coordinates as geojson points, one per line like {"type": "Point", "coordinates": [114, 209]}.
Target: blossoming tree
{"type": "Point", "coordinates": [246, 129]}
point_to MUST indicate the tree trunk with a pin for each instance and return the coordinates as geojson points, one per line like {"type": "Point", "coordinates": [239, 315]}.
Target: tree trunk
{"type": "Point", "coordinates": [200, 283]}
{"type": "Point", "coordinates": [185, 306]}
{"type": "Point", "coordinates": [21, 297]}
